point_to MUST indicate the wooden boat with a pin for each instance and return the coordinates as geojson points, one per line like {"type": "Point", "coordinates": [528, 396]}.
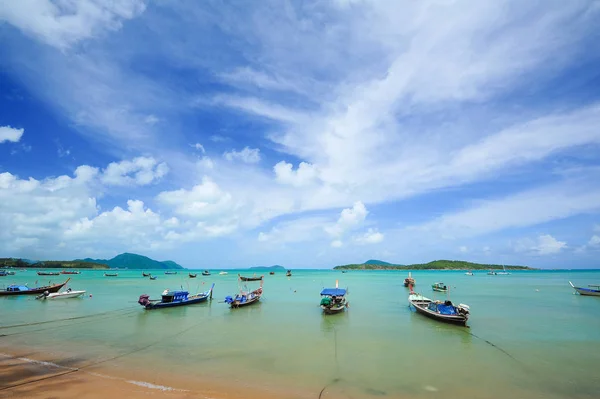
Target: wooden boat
{"type": "Point", "coordinates": [333, 300]}
{"type": "Point", "coordinates": [438, 310]}
{"type": "Point", "coordinates": [271, 273]}
{"type": "Point", "coordinates": [441, 287]}
{"type": "Point", "coordinates": [25, 290]}
{"type": "Point", "coordinates": [146, 274]}
{"type": "Point", "coordinates": [469, 273]}
{"type": "Point", "coordinates": [245, 298]}
{"type": "Point", "coordinates": [111, 274]}
{"type": "Point", "coordinates": [587, 291]}
{"type": "Point", "coordinates": [289, 273]}
{"type": "Point", "coordinates": [192, 275]}
{"type": "Point", "coordinates": [70, 272]}
{"type": "Point", "coordinates": [250, 278]}
{"type": "Point", "coordinates": [61, 295]}
{"type": "Point", "coordinates": [48, 273]}
{"type": "Point", "coordinates": [152, 277]}
{"type": "Point", "coordinates": [409, 280]}
{"type": "Point", "coordinates": [172, 299]}
{"type": "Point", "coordinates": [170, 272]}
{"type": "Point", "coordinates": [206, 273]}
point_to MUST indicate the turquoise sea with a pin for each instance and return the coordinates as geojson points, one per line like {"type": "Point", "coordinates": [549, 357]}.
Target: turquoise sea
{"type": "Point", "coordinates": [529, 336]}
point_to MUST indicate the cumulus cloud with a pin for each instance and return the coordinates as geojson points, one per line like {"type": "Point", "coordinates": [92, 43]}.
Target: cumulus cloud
{"type": "Point", "coordinates": [139, 172]}
{"type": "Point", "coordinates": [350, 218]}
{"type": "Point", "coordinates": [298, 230]}
{"type": "Point", "coordinates": [337, 243]}
{"type": "Point", "coordinates": [463, 249]}
{"type": "Point", "coordinates": [594, 241]}
{"type": "Point", "coordinates": [246, 155]}
{"type": "Point", "coordinates": [11, 134]}
{"type": "Point", "coordinates": [199, 147]}
{"type": "Point", "coordinates": [371, 236]}
{"type": "Point", "coordinates": [545, 244]}
{"type": "Point", "coordinates": [304, 175]}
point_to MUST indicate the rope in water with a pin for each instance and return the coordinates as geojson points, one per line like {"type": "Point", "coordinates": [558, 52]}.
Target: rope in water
{"type": "Point", "coordinates": [65, 319]}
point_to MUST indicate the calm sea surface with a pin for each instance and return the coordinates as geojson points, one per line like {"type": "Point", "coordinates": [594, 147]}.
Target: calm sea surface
{"type": "Point", "coordinates": [529, 335]}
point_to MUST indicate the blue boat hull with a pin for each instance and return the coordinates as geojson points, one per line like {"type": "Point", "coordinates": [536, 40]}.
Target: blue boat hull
{"type": "Point", "coordinates": [191, 301]}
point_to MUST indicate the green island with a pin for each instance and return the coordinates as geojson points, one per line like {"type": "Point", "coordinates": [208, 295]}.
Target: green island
{"type": "Point", "coordinates": [122, 261]}
{"type": "Point", "coordinates": [374, 264]}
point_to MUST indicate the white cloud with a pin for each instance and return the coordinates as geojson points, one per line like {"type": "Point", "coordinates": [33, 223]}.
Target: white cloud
{"type": "Point", "coordinates": [200, 147]}
{"type": "Point", "coordinates": [350, 219]}
{"type": "Point", "coordinates": [139, 171]}
{"type": "Point", "coordinates": [337, 243]}
{"type": "Point", "coordinates": [11, 134]}
{"type": "Point", "coordinates": [304, 175]}
{"type": "Point", "coordinates": [246, 155]}
{"type": "Point", "coordinates": [594, 241]}
{"type": "Point", "coordinates": [463, 249]}
{"type": "Point", "coordinates": [372, 236]}
{"type": "Point", "coordinates": [545, 244]}
{"type": "Point", "coordinates": [62, 24]}
{"type": "Point", "coordinates": [293, 231]}
{"type": "Point", "coordinates": [206, 163]}
{"type": "Point", "coordinates": [247, 76]}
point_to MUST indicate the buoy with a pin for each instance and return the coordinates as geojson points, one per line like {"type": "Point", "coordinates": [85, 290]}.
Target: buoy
{"type": "Point", "coordinates": [90, 295]}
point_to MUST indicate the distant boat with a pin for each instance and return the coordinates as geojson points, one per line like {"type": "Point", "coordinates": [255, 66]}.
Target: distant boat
{"type": "Point", "coordinates": [152, 277]}
{"type": "Point", "coordinates": [250, 278]}
{"type": "Point", "coordinates": [48, 273]}
{"type": "Point", "coordinates": [438, 310]}
{"type": "Point", "coordinates": [206, 273]}
{"type": "Point", "coordinates": [587, 291]}
{"type": "Point", "coordinates": [170, 299]}
{"type": "Point", "coordinates": [409, 280]}
{"type": "Point", "coordinates": [289, 273]}
{"type": "Point", "coordinates": [4, 273]}
{"type": "Point", "coordinates": [146, 274]}
{"type": "Point", "coordinates": [25, 290]}
{"type": "Point", "coordinates": [469, 273]}
{"type": "Point", "coordinates": [492, 273]}
{"type": "Point", "coordinates": [441, 287]}
{"type": "Point", "coordinates": [61, 295]}
{"type": "Point", "coordinates": [70, 272]}
{"type": "Point", "coordinates": [245, 298]}
{"type": "Point", "coordinates": [333, 300]}
{"type": "Point", "coordinates": [222, 273]}
{"type": "Point", "coordinates": [111, 274]}
{"type": "Point", "coordinates": [271, 273]}
{"type": "Point", "coordinates": [503, 273]}
{"type": "Point", "coordinates": [170, 272]}
{"type": "Point", "coordinates": [192, 275]}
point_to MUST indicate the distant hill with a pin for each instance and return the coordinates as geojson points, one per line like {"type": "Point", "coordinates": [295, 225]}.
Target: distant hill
{"type": "Point", "coordinates": [51, 264]}
{"type": "Point", "coordinates": [270, 268]}
{"type": "Point", "coordinates": [435, 265]}
{"type": "Point", "coordinates": [379, 262]}
{"type": "Point", "coordinates": [134, 261]}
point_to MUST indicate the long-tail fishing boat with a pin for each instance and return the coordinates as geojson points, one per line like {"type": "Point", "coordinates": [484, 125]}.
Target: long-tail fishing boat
{"type": "Point", "coordinates": [146, 274]}
{"type": "Point", "coordinates": [409, 280]}
{"type": "Point", "coordinates": [440, 287]}
{"type": "Point", "coordinates": [111, 274]}
{"type": "Point", "coordinates": [192, 275]}
{"type": "Point", "coordinates": [48, 273]}
{"type": "Point", "coordinates": [288, 273]}
{"type": "Point", "coordinates": [170, 299]}
{"type": "Point", "coordinates": [442, 311]}
{"type": "Point", "coordinates": [206, 273]}
{"type": "Point", "coordinates": [245, 298]}
{"type": "Point", "coordinates": [587, 291]}
{"type": "Point", "coordinates": [254, 278]}
{"type": "Point", "coordinates": [333, 299]}
{"type": "Point", "coordinates": [16, 289]}
{"type": "Point", "coordinates": [152, 277]}
{"type": "Point", "coordinates": [70, 272]}
{"type": "Point", "coordinates": [170, 272]}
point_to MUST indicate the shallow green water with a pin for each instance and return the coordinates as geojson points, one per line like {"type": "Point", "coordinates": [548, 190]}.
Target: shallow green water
{"type": "Point", "coordinates": [529, 336]}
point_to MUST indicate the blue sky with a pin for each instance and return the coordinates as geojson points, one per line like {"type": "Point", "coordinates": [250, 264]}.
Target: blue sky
{"type": "Point", "coordinates": [307, 134]}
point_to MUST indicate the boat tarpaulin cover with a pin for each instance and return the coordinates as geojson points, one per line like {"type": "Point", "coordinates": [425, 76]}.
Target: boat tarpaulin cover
{"type": "Point", "coordinates": [333, 291]}
{"type": "Point", "coordinates": [446, 309]}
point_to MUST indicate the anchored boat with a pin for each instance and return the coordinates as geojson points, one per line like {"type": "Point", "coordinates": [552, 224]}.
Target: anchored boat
{"type": "Point", "coordinates": [192, 275]}
{"type": "Point", "coordinates": [170, 299]}
{"type": "Point", "coordinates": [289, 273]}
{"type": "Point", "coordinates": [440, 287]}
{"type": "Point", "coordinates": [587, 291]}
{"type": "Point", "coordinates": [48, 273]}
{"type": "Point", "coordinates": [25, 290]}
{"type": "Point", "coordinates": [409, 280]}
{"type": "Point", "coordinates": [333, 300]}
{"type": "Point", "coordinates": [250, 278]}
{"type": "Point", "coordinates": [442, 311]}
{"type": "Point", "coordinates": [245, 298]}
{"type": "Point", "coordinates": [111, 274]}
{"type": "Point", "coordinates": [61, 295]}
{"type": "Point", "coordinates": [170, 272]}
{"type": "Point", "coordinates": [206, 273]}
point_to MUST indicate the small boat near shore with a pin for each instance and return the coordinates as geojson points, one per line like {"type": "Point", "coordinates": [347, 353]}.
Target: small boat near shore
{"type": "Point", "coordinates": [48, 273]}
{"type": "Point", "coordinates": [146, 274]}
{"type": "Point", "coordinates": [271, 273]}
{"type": "Point", "coordinates": [111, 274]}
{"type": "Point", "coordinates": [192, 275]}
{"type": "Point", "coordinates": [587, 291]}
{"type": "Point", "coordinates": [469, 273]}
{"type": "Point", "coordinates": [492, 273]}
{"type": "Point", "coordinates": [438, 310]}
{"type": "Point", "coordinates": [222, 273]}
{"type": "Point", "coordinates": [206, 273]}
{"type": "Point", "coordinates": [440, 287]}
{"type": "Point", "coordinates": [250, 278]}
{"type": "Point", "coordinates": [153, 277]}
{"type": "Point", "coordinates": [333, 300]}
{"type": "Point", "coordinates": [503, 272]}
{"type": "Point", "coordinates": [170, 272]}
{"type": "Point", "coordinates": [245, 298]}
{"type": "Point", "coordinates": [288, 273]}
{"type": "Point", "coordinates": [170, 299]}
{"type": "Point", "coordinates": [409, 280]}
{"type": "Point", "coordinates": [69, 293]}
{"type": "Point", "coordinates": [25, 290]}
{"type": "Point", "coordinates": [70, 272]}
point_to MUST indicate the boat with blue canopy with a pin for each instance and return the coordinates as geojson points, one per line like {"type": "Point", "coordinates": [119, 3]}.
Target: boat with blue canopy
{"type": "Point", "coordinates": [587, 291]}
{"type": "Point", "coordinates": [175, 298]}
{"type": "Point", "coordinates": [17, 289]}
{"type": "Point", "coordinates": [333, 300]}
{"type": "Point", "coordinates": [442, 311]}
{"type": "Point", "coordinates": [245, 297]}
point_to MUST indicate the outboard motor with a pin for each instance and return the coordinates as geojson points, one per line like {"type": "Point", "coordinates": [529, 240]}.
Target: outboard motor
{"type": "Point", "coordinates": [144, 300]}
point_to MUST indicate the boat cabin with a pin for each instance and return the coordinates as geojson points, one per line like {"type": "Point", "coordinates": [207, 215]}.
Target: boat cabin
{"type": "Point", "coordinates": [17, 288]}
{"type": "Point", "coordinates": [174, 296]}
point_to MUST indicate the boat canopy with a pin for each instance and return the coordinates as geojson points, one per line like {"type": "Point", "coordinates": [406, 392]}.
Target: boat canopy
{"type": "Point", "coordinates": [333, 291]}
{"type": "Point", "coordinates": [17, 288]}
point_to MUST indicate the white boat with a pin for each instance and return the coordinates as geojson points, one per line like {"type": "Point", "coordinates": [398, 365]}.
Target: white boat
{"type": "Point", "coordinates": [469, 273]}
{"type": "Point", "coordinates": [587, 291]}
{"type": "Point", "coordinates": [61, 295]}
{"type": "Point", "coordinates": [222, 273]}
{"type": "Point", "coordinates": [503, 273]}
